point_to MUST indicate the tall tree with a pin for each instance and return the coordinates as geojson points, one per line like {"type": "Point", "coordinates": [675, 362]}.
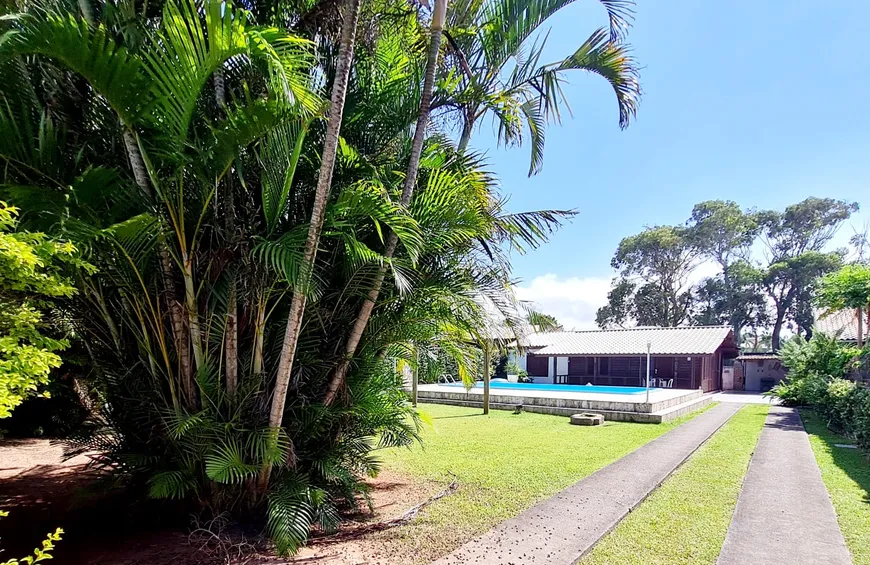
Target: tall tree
{"type": "Point", "coordinates": [340, 373]}
{"type": "Point", "coordinates": [315, 226]}
{"type": "Point", "coordinates": [808, 225]}
{"type": "Point", "coordinates": [663, 257]}
{"type": "Point", "coordinates": [739, 302]}
{"type": "Point", "coordinates": [794, 241]}
{"type": "Point", "coordinates": [789, 284]}
{"type": "Point", "coordinates": [724, 233]}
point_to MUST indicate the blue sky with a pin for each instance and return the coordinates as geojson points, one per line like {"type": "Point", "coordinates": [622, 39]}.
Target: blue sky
{"type": "Point", "coordinates": [764, 103]}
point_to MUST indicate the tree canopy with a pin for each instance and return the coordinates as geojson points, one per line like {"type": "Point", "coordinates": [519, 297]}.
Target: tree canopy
{"type": "Point", "coordinates": [657, 285]}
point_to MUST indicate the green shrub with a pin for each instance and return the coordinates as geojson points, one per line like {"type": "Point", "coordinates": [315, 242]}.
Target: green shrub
{"type": "Point", "coordinates": [40, 553]}
{"type": "Point", "coordinates": [816, 378]}
{"type": "Point", "coordinates": [800, 391]}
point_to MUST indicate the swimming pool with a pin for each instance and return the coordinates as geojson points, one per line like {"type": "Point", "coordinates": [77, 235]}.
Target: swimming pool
{"type": "Point", "coordinates": [592, 389]}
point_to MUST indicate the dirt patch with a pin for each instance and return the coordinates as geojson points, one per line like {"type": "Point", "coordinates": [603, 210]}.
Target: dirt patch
{"type": "Point", "coordinates": [42, 492]}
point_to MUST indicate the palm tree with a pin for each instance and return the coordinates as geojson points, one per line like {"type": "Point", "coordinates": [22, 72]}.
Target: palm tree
{"type": "Point", "coordinates": [365, 312]}
{"type": "Point", "coordinates": [221, 119]}
{"type": "Point", "coordinates": [488, 38]}
{"type": "Point", "coordinates": [324, 185]}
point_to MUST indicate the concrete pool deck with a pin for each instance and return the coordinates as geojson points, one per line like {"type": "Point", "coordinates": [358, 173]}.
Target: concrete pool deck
{"type": "Point", "coordinates": [664, 403]}
{"type": "Point", "coordinates": [561, 529]}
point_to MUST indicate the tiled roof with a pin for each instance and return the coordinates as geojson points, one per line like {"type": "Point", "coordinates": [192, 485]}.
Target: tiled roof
{"type": "Point", "coordinates": [757, 357]}
{"type": "Point", "coordinates": [697, 340]}
{"type": "Point", "coordinates": [843, 324]}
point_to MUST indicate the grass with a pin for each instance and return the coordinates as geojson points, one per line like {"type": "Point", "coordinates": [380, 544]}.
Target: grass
{"type": "Point", "coordinates": [504, 463]}
{"type": "Point", "coordinates": [846, 473]}
{"type": "Point", "coordinates": [686, 519]}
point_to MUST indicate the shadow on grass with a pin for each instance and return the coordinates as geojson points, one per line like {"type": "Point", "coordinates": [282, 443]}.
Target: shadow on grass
{"type": "Point", "coordinates": [457, 416]}
{"type": "Point", "coordinates": [854, 462]}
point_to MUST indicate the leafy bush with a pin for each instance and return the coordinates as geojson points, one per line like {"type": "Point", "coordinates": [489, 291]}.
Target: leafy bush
{"type": "Point", "coordinates": [816, 378]}
{"type": "Point", "coordinates": [31, 274]}
{"type": "Point", "coordinates": [40, 553]}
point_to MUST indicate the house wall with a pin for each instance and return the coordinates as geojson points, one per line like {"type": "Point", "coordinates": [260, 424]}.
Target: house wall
{"type": "Point", "coordinates": [755, 370]}
{"type": "Point", "coordinates": [739, 380]}
{"type": "Point", "coordinates": [518, 358]}
{"type": "Point", "coordinates": [561, 365]}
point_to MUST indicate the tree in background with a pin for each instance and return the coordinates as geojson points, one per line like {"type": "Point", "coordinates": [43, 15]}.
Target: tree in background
{"type": "Point", "coordinates": [653, 284]}
{"type": "Point", "coordinates": [33, 271]}
{"type": "Point", "coordinates": [847, 288]}
{"type": "Point", "coordinates": [655, 268]}
{"type": "Point", "coordinates": [794, 240]}
{"type": "Point", "coordinates": [739, 301]}
{"type": "Point", "coordinates": [724, 233]}
{"type": "Point", "coordinates": [790, 284]}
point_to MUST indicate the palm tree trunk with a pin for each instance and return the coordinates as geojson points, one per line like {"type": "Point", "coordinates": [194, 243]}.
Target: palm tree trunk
{"type": "Point", "coordinates": [415, 378]}
{"type": "Point", "coordinates": [486, 356]}
{"type": "Point", "coordinates": [231, 341]}
{"type": "Point", "coordinates": [192, 309]}
{"type": "Point", "coordinates": [465, 138]}
{"type": "Point", "coordinates": [137, 164]}
{"type": "Point", "coordinates": [231, 337]}
{"type": "Point", "coordinates": [340, 372]}
{"type": "Point", "coordinates": [87, 11]}
{"type": "Point", "coordinates": [259, 332]}
{"type": "Point", "coordinates": [860, 336]}
{"type": "Point", "coordinates": [324, 183]}
{"type": "Point", "coordinates": [176, 319]}
{"type": "Point", "coordinates": [179, 331]}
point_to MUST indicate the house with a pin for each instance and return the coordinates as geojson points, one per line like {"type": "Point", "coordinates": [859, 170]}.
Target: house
{"type": "Point", "coordinates": [842, 324]}
{"type": "Point", "coordinates": [685, 357]}
{"type": "Point", "coordinates": [758, 372]}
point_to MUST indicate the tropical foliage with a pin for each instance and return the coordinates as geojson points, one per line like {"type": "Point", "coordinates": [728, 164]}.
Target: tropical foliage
{"type": "Point", "coordinates": [187, 150]}
{"type": "Point", "coordinates": [819, 375]}
{"type": "Point", "coordinates": [848, 288]}
{"type": "Point", "coordinates": [31, 275]}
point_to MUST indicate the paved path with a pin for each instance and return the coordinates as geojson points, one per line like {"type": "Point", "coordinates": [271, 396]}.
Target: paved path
{"type": "Point", "coordinates": [784, 514]}
{"type": "Point", "coordinates": [743, 397]}
{"type": "Point", "coordinates": [558, 531]}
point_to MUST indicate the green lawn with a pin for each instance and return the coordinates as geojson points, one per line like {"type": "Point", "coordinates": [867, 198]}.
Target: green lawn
{"type": "Point", "coordinates": [686, 519]}
{"type": "Point", "coordinates": [846, 473]}
{"type": "Point", "coordinates": [504, 463]}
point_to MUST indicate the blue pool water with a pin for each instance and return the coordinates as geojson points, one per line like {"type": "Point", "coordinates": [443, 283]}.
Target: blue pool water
{"type": "Point", "coordinates": [597, 389]}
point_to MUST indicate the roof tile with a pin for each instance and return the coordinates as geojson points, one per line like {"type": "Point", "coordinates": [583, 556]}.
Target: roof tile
{"type": "Point", "coordinates": [696, 340]}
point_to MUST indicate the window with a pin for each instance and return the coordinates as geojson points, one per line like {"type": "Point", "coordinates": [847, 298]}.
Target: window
{"type": "Point", "coordinates": [604, 365]}
{"type": "Point", "coordinates": [590, 365]}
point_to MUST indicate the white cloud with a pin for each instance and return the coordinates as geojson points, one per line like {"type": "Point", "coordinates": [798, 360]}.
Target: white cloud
{"type": "Point", "coordinates": [573, 301]}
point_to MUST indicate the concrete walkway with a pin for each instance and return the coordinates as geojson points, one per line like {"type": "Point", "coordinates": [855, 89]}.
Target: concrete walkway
{"type": "Point", "coordinates": [743, 397]}
{"type": "Point", "coordinates": [784, 514]}
{"type": "Point", "coordinates": [558, 531]}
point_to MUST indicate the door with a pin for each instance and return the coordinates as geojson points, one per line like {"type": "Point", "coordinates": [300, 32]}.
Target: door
{"type": "Point", "coordinates": [537, 365]}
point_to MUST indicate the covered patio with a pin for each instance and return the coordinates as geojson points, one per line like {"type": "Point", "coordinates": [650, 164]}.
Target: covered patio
{"type": "Point", "coordinates": [681, 358]}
